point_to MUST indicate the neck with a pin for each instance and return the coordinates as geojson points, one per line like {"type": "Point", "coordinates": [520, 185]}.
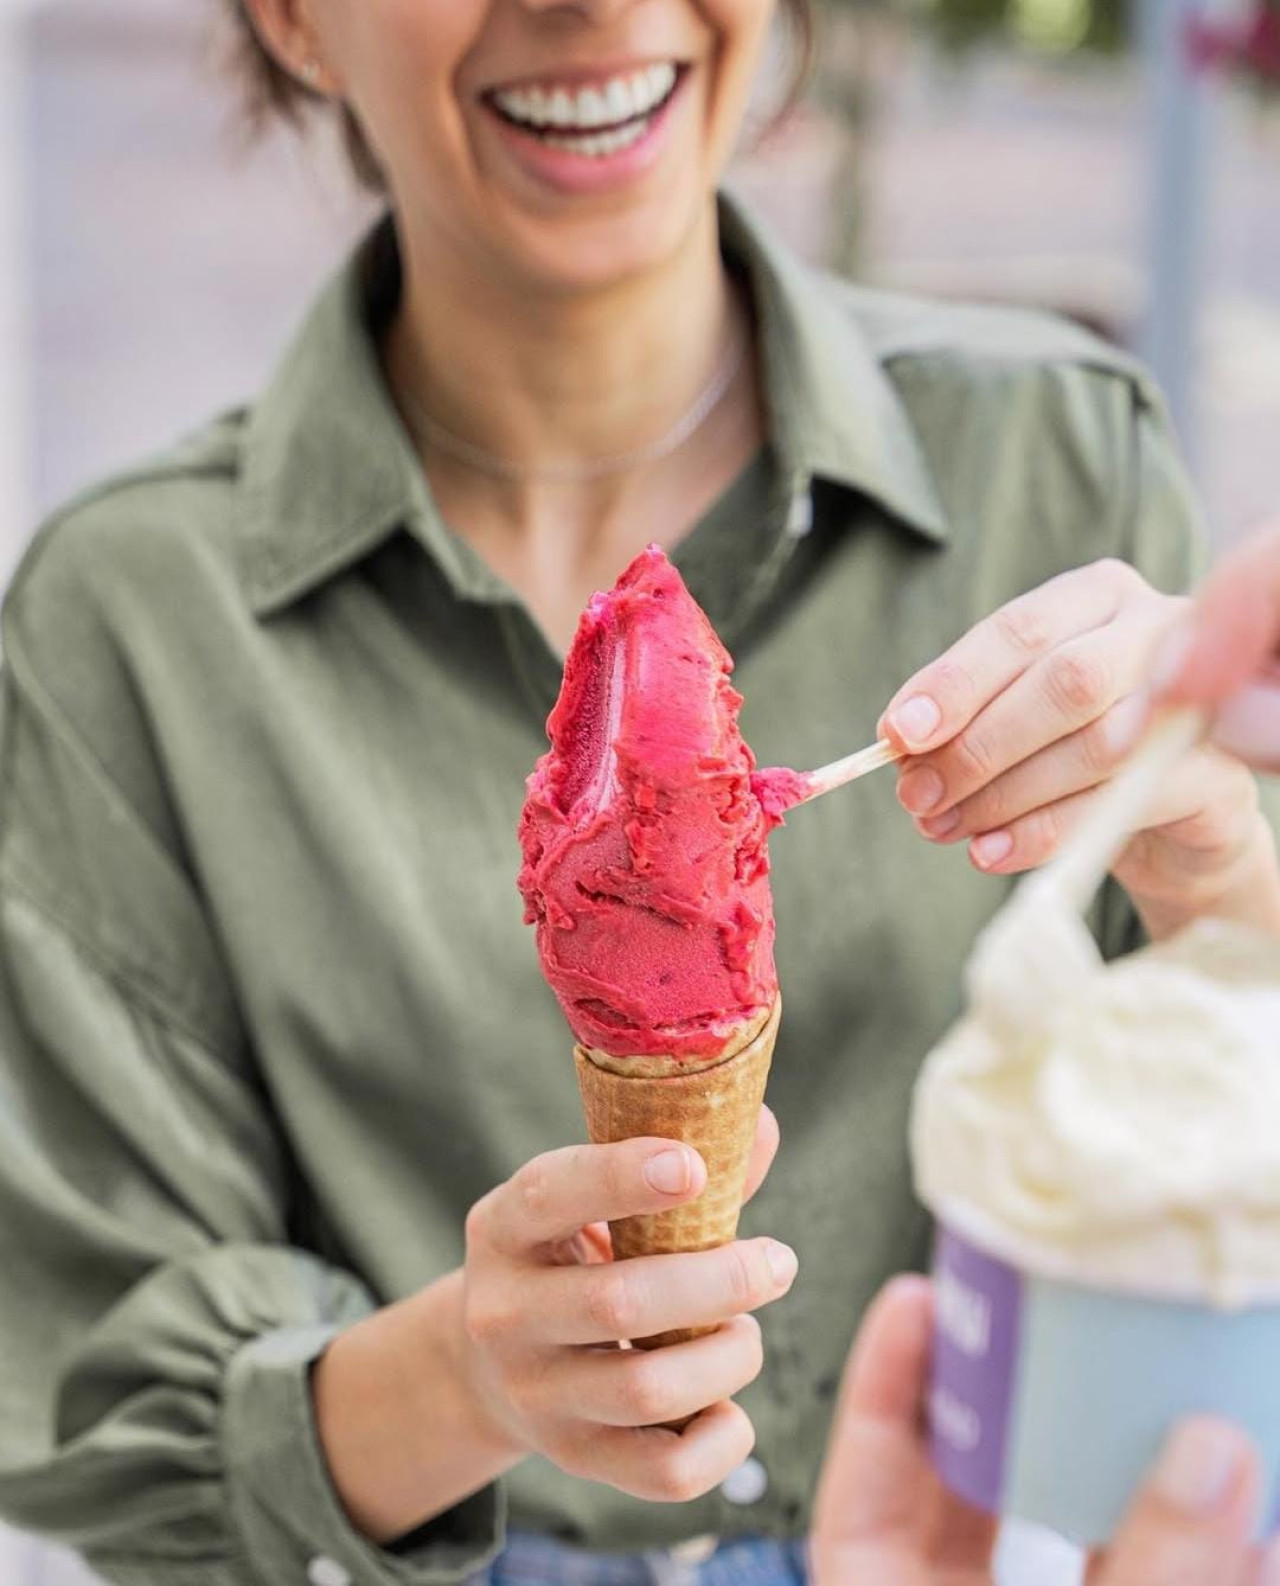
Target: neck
{"type": "Point", "coordinates": [560, 379]}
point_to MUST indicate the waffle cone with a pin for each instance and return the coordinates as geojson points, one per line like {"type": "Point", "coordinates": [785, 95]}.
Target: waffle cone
{"type": "Point", "coordinates": [713, 1106]}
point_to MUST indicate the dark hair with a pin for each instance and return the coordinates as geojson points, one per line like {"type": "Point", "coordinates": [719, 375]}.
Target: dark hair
{"type": "Point", "coordinates": [272, 91]}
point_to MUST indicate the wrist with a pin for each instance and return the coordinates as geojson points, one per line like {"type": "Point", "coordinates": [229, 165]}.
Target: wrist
{"type": "Point", "coordinates": [402, 1432]}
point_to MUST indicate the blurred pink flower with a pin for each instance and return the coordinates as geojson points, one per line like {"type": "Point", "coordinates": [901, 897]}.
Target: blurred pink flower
{"type": "Point", "coordinates": [1251, 46]}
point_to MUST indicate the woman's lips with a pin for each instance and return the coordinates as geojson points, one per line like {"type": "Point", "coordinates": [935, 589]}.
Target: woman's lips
{"type": "Point", "coordinates": [592, 160]}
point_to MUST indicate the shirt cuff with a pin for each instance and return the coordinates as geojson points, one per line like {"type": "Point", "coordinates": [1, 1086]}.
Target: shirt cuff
{"type": "Point", "coordinates": [291, 1521]}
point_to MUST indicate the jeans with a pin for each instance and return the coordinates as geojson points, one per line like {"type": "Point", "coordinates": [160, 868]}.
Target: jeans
{"type": "Point", "coordinates": [746, 1561]}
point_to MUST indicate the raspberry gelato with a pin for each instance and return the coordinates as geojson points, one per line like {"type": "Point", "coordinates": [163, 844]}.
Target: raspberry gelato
{"type": "Point", "coordinates": [646, 865]}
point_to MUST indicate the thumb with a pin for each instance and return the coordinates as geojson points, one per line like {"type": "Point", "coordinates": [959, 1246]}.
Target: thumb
{"type": "Point", "coordinates": [876, 1463]}
{"type": "Point", "coordinates": [1192, 1519]}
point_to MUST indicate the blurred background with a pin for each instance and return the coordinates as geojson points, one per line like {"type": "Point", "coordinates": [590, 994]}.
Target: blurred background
{"type": "Point", "coordinates": [1117, 160]}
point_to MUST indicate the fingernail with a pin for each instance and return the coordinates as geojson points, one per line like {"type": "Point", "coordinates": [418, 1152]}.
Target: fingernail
{"type": "Point", "coordinates": [1199, 1465]}
{"type": "Point", "coordinates": [916, 720]}
{"type": "Point", "coordinates": [1269, 1566]}
{"type": "Point", "coordinates": [783, 1263]}
{"type": "Point", "coordinates": [921, 790]}
{"type": "Point", "coordinates": [669, 1172]}
{"type": "Point", "coordinates": [1170, 654]}
{"type": "Point", "coordinates": [992, 849]}
{"type": "Point", "coordinates": [941, 825]}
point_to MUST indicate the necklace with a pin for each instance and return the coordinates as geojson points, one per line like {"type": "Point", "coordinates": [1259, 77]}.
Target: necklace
{"type": "Point", "coordinates": [708, 399]}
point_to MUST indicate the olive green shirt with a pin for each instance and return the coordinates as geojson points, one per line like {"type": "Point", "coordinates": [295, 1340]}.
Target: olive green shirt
{"type": "Point", "coordinates": [269, 1019]}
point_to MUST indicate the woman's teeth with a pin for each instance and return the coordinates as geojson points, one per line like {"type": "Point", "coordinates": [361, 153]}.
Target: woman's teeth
{"type": "Point", "coordinates": [568, 118]}
{"type": "Point", "coordinates": [600, 143]}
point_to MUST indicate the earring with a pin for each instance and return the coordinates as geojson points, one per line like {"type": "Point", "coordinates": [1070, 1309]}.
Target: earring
{"type": "Point", "coordinates": [312, 73]}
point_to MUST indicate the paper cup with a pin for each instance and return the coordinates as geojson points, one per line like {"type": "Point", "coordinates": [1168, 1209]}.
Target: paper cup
{"type": "Point", "coordinates": [1050, 1399]}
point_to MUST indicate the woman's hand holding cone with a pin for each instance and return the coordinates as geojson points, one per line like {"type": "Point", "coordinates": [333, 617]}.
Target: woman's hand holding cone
{"type": "Point", "coordinates": [545, 1311]}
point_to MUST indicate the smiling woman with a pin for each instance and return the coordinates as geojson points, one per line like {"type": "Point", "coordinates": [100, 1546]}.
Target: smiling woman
{"type": "Point", "coordinates": [299, 1272]}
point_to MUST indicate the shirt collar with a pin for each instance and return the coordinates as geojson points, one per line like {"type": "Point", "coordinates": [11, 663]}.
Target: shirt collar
{"type": "Point", "coordinates": [834, 412]}
{"type": "Point", "coordinates": [330, 472]}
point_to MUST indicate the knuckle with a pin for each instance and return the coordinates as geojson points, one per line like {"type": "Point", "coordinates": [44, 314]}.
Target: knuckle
{"type": "Point", "coordinates": [618, 1175]}
{"type": "Point", "coordinates": [574, 1454]}
{"type": "Point", "coordinates": [532, 1189]}
{"type": "Point", "coordinates": [1217, 829]}
{"type": "Point", "coordinates": [745, 1275]}
{"type": "Point", "coordinates": [534, 1385]}
{"type": "Point", "coordinates": [525, 1396]}
{"type": "Point", "coordinates": [751, 1363]}
{"type": "Point", "coordinates": [677, 1478]}
{"type": "Point", "coordinates": [610, 1303]}
{"type": "Point", "coordinates": [1201, 835]}
{"type": "Point", "coordinates": [645, 1394]}
{"type": "Point", "coordinates": [1040, 835]}
{"type": "Point", "coordinates": [1118, 576]}
{"type": "Point", "coordinates": [973, 758]}
{"type": "Point", "coordinates": [476, 1227]}
{"type": "Point", "coordinates": [1100, 747]}
{"type": "Point", "coordinates": [952, 681]}
{"type": "Point", "coordinates": [486, 1317]}
{"type": "Point", "coordinates": [993, 807]}
{"type": "Point", "coordinates": [1022, 625]}
{"type": "Point", "coordinates": [1076, 682]}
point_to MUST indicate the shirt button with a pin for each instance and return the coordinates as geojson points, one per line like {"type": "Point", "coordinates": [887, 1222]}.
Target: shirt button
{"type": "Point", "coordinates": [800, 517]}
{"type": "Point", "coordinates": [324, 1571]}
{"type": "Point", "coordinates": [747, 1484]}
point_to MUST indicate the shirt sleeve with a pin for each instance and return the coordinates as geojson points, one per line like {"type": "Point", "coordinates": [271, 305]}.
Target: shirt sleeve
{"type": "Point", "coordinates": [159, 1327]}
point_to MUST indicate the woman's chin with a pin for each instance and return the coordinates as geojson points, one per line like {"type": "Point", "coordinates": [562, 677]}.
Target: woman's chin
{"type": "Point", "coordinates": [581, 253]}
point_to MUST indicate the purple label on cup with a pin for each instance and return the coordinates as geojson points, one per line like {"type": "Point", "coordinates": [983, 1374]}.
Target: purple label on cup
{"type": "Point", "coordinates": [978, 1300]}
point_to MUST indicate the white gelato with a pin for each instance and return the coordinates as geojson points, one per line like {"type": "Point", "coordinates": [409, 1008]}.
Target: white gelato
{"type": "Point", "coordinates": [1117, 1124]}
